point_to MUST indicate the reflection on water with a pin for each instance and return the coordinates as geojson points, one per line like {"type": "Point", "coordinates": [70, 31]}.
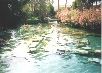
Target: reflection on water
{"type": "Point", "coordinates": [17, 59]}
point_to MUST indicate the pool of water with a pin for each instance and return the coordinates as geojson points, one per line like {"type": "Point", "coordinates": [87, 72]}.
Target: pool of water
{"type": "Point", "coordinates": [95, 42]}
{"type": "Point", "coordinates": [46, 62]}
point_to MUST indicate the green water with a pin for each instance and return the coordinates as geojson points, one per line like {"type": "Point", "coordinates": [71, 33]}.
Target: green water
{"type": "Point", "coordinates": [45, 62]}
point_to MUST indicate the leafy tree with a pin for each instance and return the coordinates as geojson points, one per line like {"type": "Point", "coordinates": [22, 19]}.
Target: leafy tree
{"type": "Point", "coordinates": [51, 11]}
{"type": "Point", "coordinates": [58, 4]}
{"type": "Point", "coordinates": [66, 4]}
{"type": "Point", "coordinates": [77, 4]}
{"type": "Point", "coordinates": [74, 6]}
{"type": "Point", "coordinates": [39, 8]}
{"type": "Point", "coordinates": [96, 1]}
{"type": "Point", "coordinates": [11, 12]}
{"type": "Point", "coordinates": [83, 3]}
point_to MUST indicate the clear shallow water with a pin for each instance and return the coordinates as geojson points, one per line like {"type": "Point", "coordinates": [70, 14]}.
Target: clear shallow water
{"type": "Point", "coordinates": [95, 42]}
{"type": "Point", "coordinates": [46, 62]}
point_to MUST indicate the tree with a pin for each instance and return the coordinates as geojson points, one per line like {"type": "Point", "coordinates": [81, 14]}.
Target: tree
{"type": "Point", "coordinates": [97, 1]}
{"type": "Point", "coordinates": [77, 4]}
{"type": "Point", "coordinates": [66, 4]}
{"type": "Point", "coordinates": [51, 11]}
{"type": "Point", "coordinates": [58, 4]}
{"type": "Point", "coordinates": [87, 4]}
{"type": "Point", "coordinates": [74, 6]}
{"type": "Point", "coordinates": [39, 8]}
{"type": "Point", "coordinates": [11, 12]}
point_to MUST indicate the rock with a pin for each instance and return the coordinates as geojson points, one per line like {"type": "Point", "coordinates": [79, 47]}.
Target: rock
{"type": "Point", "coordinates": [45, 42]}
{"type": "Point", "coordinates": [96, 60]}
{"type": "Point", "coordinates": [85, 40]}
{"type": "Point", "coordinates": [82, 52]}
{"type": "Point", "coordinates": [32, 45]}
{"type": "Point", "coordinates": [98, 51]}
{"type": "Point", "coordinates": [26, 37]}
{"type": "Point", "coordinates": [82, 43]}
{"type": "Point", "coordinates": [32, 49]}
{"type": "Point", "coordinates": [69, 49]}
{"type": "Point", "coordinates": [36, 39]}
{"type": "Point", "coordinates": [87, 48]}
{"type": "Point", "coordinates": [95, 53]}
{"type": "Point", "coordinates": [79, 45]}
{"type": "Point", "coordinates": [78, 37]}
{"type": "Point", "coordinates": [43, 35]}
{"type": "Point", "coordinates": [61, 50]}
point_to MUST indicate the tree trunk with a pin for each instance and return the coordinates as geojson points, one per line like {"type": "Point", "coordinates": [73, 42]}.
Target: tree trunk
{"type": "Point", "coordinates": [96, 53]}
{"type": "Point", "coordinates": [66, 4]}
{"type": "Point", "coordinates": [92, 4]}
{"type": "Point", "coordinates": [58, 4]}
{"type": "Point", "coordinates": [96, 2]}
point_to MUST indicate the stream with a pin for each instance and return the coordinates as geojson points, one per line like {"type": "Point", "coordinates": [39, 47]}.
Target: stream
{"type": "Point", "coordinates": [16, 58]}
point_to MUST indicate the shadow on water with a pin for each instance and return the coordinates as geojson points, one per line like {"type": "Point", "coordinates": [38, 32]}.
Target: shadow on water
{"type": "Point", "coordinates": [17, 60]}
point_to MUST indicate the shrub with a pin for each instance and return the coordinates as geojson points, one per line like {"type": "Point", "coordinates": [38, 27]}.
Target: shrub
{"type": "Point", "coordinates": [89, 19]}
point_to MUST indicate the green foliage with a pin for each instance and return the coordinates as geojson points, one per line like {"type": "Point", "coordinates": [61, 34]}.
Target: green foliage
{"type": "Point", "coordinates": [87, 4]}
{"type": "Point", "coordinates": [39, 8]}
{"type": "Point", "coordinates": [77, 4]}
{"type": "Point", "coordinates": [11, 12]}
{"type": "Point", "coordinates": [17, 11]}
{"type": "Point", "coordinates": [74, 6]}
{"type": "Point", "coordinates": [51, 10]}
{"type": "Point", "coordinates": [32, 21]}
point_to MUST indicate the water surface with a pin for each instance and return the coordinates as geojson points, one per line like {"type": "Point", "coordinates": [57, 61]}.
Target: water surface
{"type": "Point", "coordinates": [13, 60]}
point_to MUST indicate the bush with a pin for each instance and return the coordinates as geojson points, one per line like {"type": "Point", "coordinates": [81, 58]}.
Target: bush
{"type": "Point", "coordinates": [89, 19]}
